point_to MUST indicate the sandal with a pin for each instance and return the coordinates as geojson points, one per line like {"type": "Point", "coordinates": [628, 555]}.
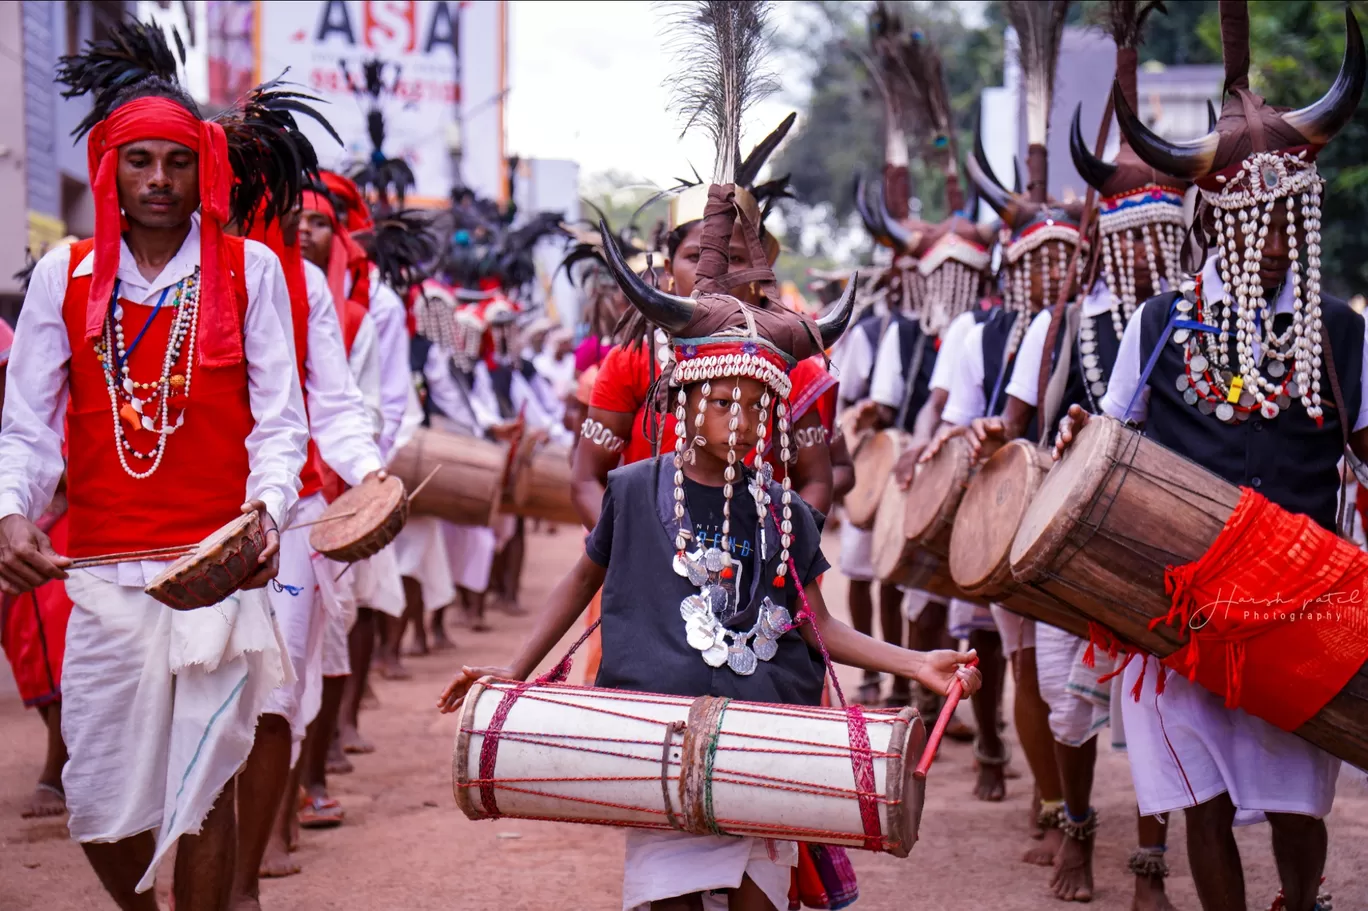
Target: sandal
{"type": "Point", "coordinates": [319, 812]}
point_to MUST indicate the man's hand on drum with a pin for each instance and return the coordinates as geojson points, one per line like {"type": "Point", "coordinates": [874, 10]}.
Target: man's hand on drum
{"type": "Point", "coordinates": [985, 436]}
{"type": "Point", "coordinates": [939, 669]}
{"type": "Point", "coordinates": [27, 559]}
{"type": "Point", "coordinates": [379, 474]}
{"type": "Point", "coordinates": [942, 436]}
{"type": "Point", "coordinates": [1069, 426]}
{"type": "Point", "coordinates": [506, 431]}
{"type": "Point", "coordinates": [456, 690]}
{"type": "Point", "coordinates": [269, 563]}
{"type": "Point", "coordinates": [905, 469]}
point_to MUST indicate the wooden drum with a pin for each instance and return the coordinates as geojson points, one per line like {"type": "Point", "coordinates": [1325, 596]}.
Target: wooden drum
{"type": "Point", "coordinates": [467, 489]}
{"type": "Point", "coordinates": [703, 766]}
{"type": "Point", "coordinates": [985, 525]}
{"type": "Point", "coordinates": [539, 482]}
{"type": "Point", "coordinates": [222, 562]}
{"type": "Point", "coordinates": [1112, 515]}
{"type": "Point", "coordinates": [874, 463]}
{"type": "Point", "coordinates": [900, 560]}
{"type": "Point", "coordinates": [362, 521]}
{"type": "Point", "coordinates": [935, 497]}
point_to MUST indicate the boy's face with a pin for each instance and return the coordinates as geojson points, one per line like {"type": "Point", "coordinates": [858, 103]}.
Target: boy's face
{"type": "Point", "coordinates": [315, 231]}
{"type": "Point", "coordinates": [717, 415]}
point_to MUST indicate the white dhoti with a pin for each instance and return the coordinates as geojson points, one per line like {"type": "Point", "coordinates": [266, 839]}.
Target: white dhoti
{"type": "Point", "coordinates": [1017, 632]}
{"type": "Point", "coordinates": [420, 552]}
{"type": "Point", "coordinates": [965, 617]}
{"type": "Point", "coordinates": [1080, 706]}
{"type": "Point", "coordinates": [300, 613]}
{"type": "Point", "coordinates": [337, 593]}
{"type": "Point", "coordinates": [159, 708]}
{"type": "Point", "coordinates": [1186, 747]}
{"type": "Point", "coordinates": [857, 553]}
{"type": "Point", "coordinates": [663, 865]}
{"type": "Point", "coordinates": [377, 583]}
{"type": "Point", "coordinates": [471, 550]}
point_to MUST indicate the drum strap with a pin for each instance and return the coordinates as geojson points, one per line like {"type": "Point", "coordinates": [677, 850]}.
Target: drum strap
{"type": "Point", "coordinates": [913, 374]}
{"type": "Point", "coordinates": [861, 754]}
{"type": "Point", "coordinates": [1175, 321]}
{"type": "Point", "coordinates": [489, 747]}
{"type": "Point", "coordinates": [1058, 380]}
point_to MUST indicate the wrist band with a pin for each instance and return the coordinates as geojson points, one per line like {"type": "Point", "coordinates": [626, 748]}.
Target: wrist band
{"type": "Point", "coordinates": [599, 435]}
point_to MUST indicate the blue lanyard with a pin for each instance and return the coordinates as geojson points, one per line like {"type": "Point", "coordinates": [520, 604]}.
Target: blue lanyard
{"type": "Point", "coordinates": [118, 362]}
{"type": "Point", "coordinates": [1175, 322]}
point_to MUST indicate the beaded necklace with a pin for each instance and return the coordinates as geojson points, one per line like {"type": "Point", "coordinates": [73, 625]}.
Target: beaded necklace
{"type": "Point", "coordinates": [126, 404]}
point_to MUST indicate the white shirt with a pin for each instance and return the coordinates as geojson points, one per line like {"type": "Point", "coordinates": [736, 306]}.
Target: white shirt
{"type": "Point", "coordinates": [396, 382]}
{"type": "Point", "coordinates": [470, 414]}
{"type": "Point", "coordinates": [887, 385]}
{"type": "Point", "coordinates": [1125, 378]}
{"type": "Point", "coordinates": [524, 400]}
{"type": "Point", "coordinates": [952, 340]}
{"type": "Point", "coordinates": [337, 413]}
{"type": "Point", "coordinates": [364, 362]}
{"type": "Point", "coordinates": [37, 388]}
{"type": "Point", "coordinates": [966, 400]}
{"type": "Point", "coordinates": [853, 363]}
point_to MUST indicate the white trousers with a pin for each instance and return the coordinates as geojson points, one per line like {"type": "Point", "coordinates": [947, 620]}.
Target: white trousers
{"type": "Point", "coordinates": [857, 553]}
{"type": "Point", "coordinates": [1186, 747]}
{"type": "Point", "coordinates": [1017, 632]}
{"type": "Point", "coordinates": [421, 554]}
{"type": "Point", "coordinates": [159, 708]}
{"type": "Point", "coordinates": [471, 550]}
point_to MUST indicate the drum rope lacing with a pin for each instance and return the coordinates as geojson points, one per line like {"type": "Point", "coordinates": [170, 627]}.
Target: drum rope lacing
{"type": "Point", "coordinates": [860, 752]}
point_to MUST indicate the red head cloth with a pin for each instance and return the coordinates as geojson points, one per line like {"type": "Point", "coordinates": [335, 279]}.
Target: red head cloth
{"type": "Point", "coordinates": [356, 213]}
{"type": "Point", "coordinates": [292, 262]}
{"type": "Point", "coordinates": [219, 339]}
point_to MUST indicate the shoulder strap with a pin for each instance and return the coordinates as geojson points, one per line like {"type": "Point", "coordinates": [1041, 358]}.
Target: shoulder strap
{"type": "Point", "coordinates": [913, 373]}
{"type": "Point", "coordinates": [1048, 405]}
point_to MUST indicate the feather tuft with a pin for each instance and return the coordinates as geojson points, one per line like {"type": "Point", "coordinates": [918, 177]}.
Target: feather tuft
{"type": "Point", "coordinates": [1039, 26]}
{"type": "Point", "coordinates": [132, 51]}
{"type": "Point", "coordinates": [721, 48]}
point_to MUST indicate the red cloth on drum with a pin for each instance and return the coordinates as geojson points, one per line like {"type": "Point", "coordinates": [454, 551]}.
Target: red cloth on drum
{"type": "Point", "coordinates": [1277, 594]}
{"type": "Point", "coordinates": [191, 496]}
{"type": "Point", "coordinates": [33, 631]}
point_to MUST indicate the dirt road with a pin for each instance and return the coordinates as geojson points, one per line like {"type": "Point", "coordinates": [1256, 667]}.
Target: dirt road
{"type": "Point", "coordinates": [406, 847]}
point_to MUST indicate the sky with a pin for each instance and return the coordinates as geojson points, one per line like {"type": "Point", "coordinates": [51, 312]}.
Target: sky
{"type": "Point", "coordinates": [587, 82]}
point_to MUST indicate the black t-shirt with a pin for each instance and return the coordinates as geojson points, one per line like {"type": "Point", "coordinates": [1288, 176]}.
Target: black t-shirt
{"type": "Point", "coordinates": [644, 638]}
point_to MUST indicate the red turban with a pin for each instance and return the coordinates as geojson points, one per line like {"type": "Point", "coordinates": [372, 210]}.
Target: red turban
{"type": "Point", "coordinates": [219, 340]}
{"type": "Point", "coordinates": [292, 262]}
{"type": "Point", "coordinates": [356, 213]}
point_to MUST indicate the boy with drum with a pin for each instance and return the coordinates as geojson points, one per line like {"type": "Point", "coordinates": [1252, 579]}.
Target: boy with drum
{"type": "Point", "coordinates": [161, 349]}
{"type": "Point", "coordinates": [1250, 371]}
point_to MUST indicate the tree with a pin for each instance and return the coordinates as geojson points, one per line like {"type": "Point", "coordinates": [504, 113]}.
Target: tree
{"type": "Point", "coordinates": [619, 197]}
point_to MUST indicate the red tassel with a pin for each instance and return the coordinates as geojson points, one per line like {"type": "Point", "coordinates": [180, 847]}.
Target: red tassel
{"type": "Point", "coordinates": [778, 581]}
{"type": "Point", "coordinates": [1090, 656]}
{"type": "Point", "coordinates": [727, 572]}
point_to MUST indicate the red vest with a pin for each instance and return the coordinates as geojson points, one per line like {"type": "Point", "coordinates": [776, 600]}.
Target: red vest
{"type": "Point", "coordinates": [202, 480]}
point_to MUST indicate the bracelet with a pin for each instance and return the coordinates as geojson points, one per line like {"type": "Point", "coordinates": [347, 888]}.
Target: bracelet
{"type": "Point", "coordinates": [596, 433]}
{"type": "Point", "coordinates": [807, 437]}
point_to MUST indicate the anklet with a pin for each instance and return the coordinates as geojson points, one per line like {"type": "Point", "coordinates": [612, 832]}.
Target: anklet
{"type": "Point", "coordinates": [1149, 863]}
{"type": "Point", "coordinates": [1051, 814]}
{"type": "Point", "coordinates": [1078, 830]}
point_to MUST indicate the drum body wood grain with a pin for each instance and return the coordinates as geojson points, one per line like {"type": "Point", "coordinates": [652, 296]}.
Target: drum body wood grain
{"type": "Point", "coordinates": [224, 560]}
{"type": "Point", "coordinates": [874, 462]}
{"type": "Point", "coordinates": [539, 485]}
{"type": "Point", "coordinates": [635, 759]}
{"type": "Point", "coordinates": [935, 497]}
{"type": "Point", "coordinates": [467, 489]}
{"type": "Point", "coordinates": [372, 515]}
{"type": "Point", "coordinates": [1117, 510]}
{"type": "Point", "coordinates": [985, 526]}
{"type": "Point", "coordinates": [900, 560]}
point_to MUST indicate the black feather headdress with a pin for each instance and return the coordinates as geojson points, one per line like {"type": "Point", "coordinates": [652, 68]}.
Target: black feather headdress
{"type": "Point", "coordinates": [404, 245]}
{"type": "Point", "coordinates": [133, 52]}
{"type": "Point", "coordinates": [389, 179]}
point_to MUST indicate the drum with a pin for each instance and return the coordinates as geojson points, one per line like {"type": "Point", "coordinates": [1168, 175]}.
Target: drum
{"type": "Point", "coordinates": [985, 525]}
{"type": "Point", "coordinates": [362, 521]}
{"type": "Point", "coordinates": [467, 489]}
{"type": "Point", "coordinates": [539, 484]}
{"type": "Point", "coordinates": [899, 560]}
{"type": "Point", "coordinates": [217, 568]}
{"type": "Point", "coordinates": [1111, 516]}
{"type": "Point", "coordinates": [935, 497]}
{"type": "Point", "coordinates": [874, 462]}
{"type": "Point", "coordinates": [705, 766]}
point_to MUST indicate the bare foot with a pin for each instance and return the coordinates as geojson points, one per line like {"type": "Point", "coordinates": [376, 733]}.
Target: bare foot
{"type": "Point", "coordinates": [1043, 854]}
{"type": "Point", "coordinates": [990, 785]}
{"type": "Point", "coordinates": [391, 669]}
{"type": "Point", "coordinates": [441, 642]}
{"type": "Point", "coordinates": [1072, 880]}
{"type": "Point", "coordinates": [368, 699]}
{"type": "Point", "coordinates": [337, 762]}
{"type": "Point", "coordinates": [474, 622]}
{"type": "Point", "coordinates": [244, 903]}
{"type": "Point", "coordinates": [510, 607]}
{"type": "Point", "coordinates": [417, 650]}
{"type": "Point", "coordinates": [276, 862]}
{"type": "Point", "coordinates": [352, 741]}
{"type": "Point", "coordinates": [1149, 895]}
{"type": "Point", "coordinates": [47, 801]}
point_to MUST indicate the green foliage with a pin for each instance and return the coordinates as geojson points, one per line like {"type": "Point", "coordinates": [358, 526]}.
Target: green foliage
{"type": "Point", "coordinates": [619, 196]}
{"type": "Point", "coordinates": [1297, 46]}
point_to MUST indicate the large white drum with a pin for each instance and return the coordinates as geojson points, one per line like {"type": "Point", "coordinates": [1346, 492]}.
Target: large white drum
{"type": "Point", "coordinates": [706, 765]}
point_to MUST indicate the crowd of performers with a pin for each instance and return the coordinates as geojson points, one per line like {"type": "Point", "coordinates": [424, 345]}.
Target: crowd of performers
{"type": "Point", "coordinates": [246, 333]}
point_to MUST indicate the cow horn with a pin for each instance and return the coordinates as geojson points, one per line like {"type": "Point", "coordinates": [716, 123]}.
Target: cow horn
{"type": "Point", "coordinates": [833, 325]}
{"type": "Point", "coordinates": [905, 240]}
{"type": "Point", "coordinates": [1092, 169]}
{"type": "Point", "coordinates": [1319, 122]}
{"type": "Point", "coordinates": [982, 177]}
{"type": "Point", "coordinates": [668, 311]}
{"type": "Point", "coordinates": [1188, 160]}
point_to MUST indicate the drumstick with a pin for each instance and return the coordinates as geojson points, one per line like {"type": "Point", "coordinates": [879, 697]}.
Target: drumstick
{"type": "Point", "coordinates": [159, 555]}
{"type": "Point", "coordinates": [952, 700]}
{"type": "Point", "coordinates": [431, 474]}
{"type": "Point", "coordinates": [344, 515]}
